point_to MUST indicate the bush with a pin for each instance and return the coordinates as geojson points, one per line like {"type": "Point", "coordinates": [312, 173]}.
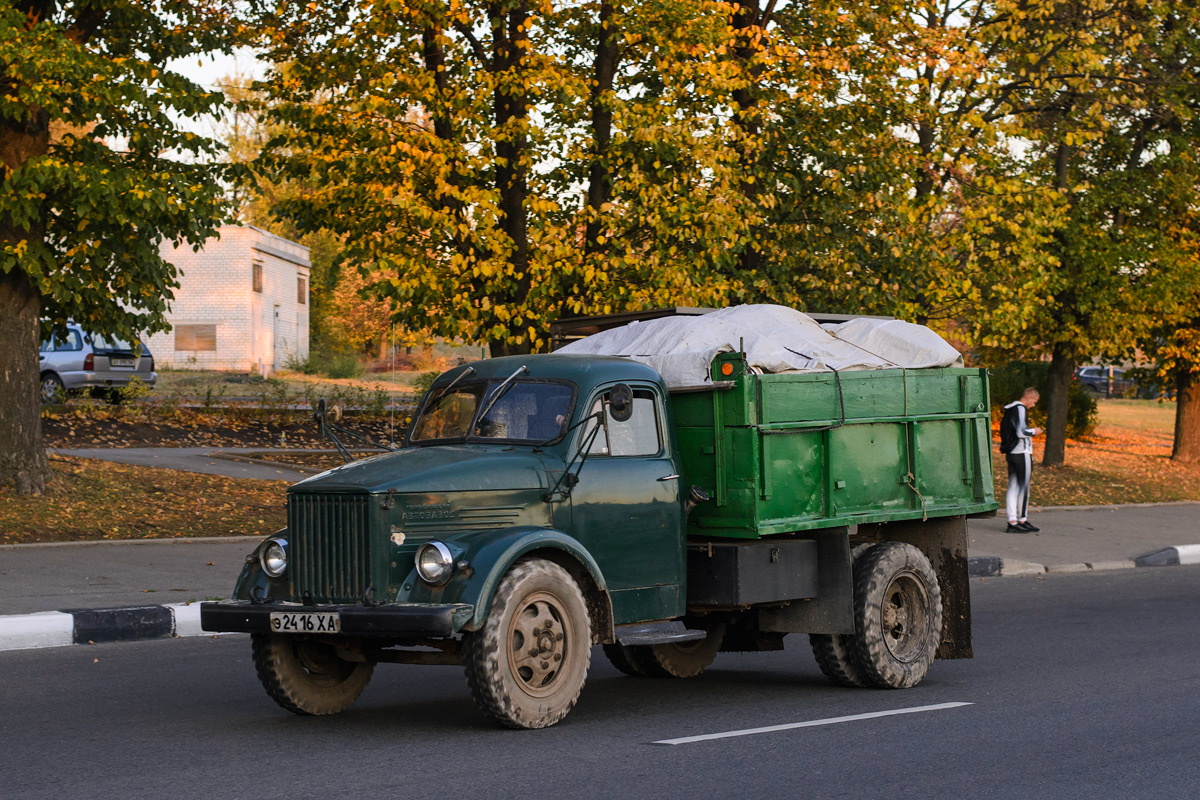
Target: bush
{"type": "Point", "coordinates": [1008, 381]}
{"type": "Point", "coordinates": [332, 364]}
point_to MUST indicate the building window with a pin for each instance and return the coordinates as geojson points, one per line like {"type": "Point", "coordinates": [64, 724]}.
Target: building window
{"type": "Point", "coordinates": [196, 338]}
{"type": "Point", "coordinates": [301, 291]}
{"type": "Point", "coordinates": [257, 277]}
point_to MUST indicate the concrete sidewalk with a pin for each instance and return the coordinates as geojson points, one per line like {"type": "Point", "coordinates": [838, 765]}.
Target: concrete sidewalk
{"type": "Point", "coordinates": [1073, 537]}
{"type": "Point", "coordinates": [153, 574]}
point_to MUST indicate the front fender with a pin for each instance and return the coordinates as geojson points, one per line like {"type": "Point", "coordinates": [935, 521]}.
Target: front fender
{"type": "Point", "coordinates": [253, 583]}
{"type": "Point", "coordinates": [488, 555]}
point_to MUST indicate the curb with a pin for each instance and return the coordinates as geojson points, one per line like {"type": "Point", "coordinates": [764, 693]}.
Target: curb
{"type": "Point", "coordinates": [1171, 556]}
{"type": "Point", "coordinates": [182, 620]}
{"type": "Point", "coordinates": [98, 625]}
{"type": "Point", "coordinates": [136, 542]}
{"type": "Point", "coordinates": [995, 566]}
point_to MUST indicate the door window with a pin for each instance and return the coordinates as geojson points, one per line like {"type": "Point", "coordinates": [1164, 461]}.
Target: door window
{"type": "Point", "coordinates": [640, 435]}
{"type": "Point", "coordinates": [71, 343]}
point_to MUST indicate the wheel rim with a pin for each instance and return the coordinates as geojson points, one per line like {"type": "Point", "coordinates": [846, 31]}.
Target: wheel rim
{"type": "Point", "coordinates": [321, 664]}
{"type": "Point", "coordinates": [538, 644]}
{"type": "Point", "coordinates": [906, 617]}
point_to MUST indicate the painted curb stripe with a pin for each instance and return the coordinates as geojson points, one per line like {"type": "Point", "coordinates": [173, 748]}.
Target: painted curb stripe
{"type": "Point", "coordinates": [810, 724]}
{"type": "Point", "coordinates": [122, 624]}
{"type": "Point", "coordinates": [1163, 558]}
{"type": "Point", "coordinates": [187, 619]}
{"type": "Point", "coordinates": [1188, 553]}
{"type": "Point", "coordinates": [983, 566]}
{"type": "Point", "coordinates": [29, 631]}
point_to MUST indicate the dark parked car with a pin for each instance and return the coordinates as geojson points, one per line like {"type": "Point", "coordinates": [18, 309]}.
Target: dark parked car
{"type": "Point", "coordinates": [84, 361]}
{"type": "Point", "coordinates": [1105, 381]}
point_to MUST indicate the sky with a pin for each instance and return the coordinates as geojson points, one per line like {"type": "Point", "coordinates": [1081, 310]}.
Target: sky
{"type": "Point", "coordinates": [210, 71]}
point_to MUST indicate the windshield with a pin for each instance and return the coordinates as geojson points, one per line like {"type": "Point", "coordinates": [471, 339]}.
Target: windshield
{"type": "Point", "coordinates": [528, 411]}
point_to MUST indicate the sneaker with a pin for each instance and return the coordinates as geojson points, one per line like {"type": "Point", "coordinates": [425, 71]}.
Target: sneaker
{"type": "Point", "coordinates": [1028, 528]}
{"type": "Point", "coordinates": [1015, 528]}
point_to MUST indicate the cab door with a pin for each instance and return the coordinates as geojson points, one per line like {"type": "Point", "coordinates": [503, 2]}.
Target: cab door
{"type": "Point", "coordinates": [627, 509]}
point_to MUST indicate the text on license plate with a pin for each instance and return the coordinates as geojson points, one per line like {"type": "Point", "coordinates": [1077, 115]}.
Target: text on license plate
{"type": "Point", "coordinates": [306, 622]}
{"type": "Point", "coordinates": [121, 362]}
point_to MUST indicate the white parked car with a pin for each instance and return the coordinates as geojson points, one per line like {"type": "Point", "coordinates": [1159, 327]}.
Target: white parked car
{"type": "Point", "coordinates": [86, 361]}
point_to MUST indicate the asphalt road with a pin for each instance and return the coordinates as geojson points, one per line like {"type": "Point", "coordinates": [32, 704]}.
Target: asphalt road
{"type": "Point", "coordinates": [1083, 686]}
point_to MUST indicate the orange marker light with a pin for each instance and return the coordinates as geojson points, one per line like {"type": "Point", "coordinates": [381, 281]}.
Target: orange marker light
{"type": "Point", "coordinates": [727, 368]}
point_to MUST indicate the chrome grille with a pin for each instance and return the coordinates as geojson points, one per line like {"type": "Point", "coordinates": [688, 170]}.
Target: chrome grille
{"type": "Point", "coordinates": [328, 535]}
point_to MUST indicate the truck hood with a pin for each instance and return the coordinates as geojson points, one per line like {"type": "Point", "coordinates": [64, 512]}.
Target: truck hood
{"type": "Point", "coordinates": [444, 468]}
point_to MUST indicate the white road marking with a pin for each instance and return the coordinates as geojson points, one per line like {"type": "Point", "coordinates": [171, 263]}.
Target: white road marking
{"type": "Point", "coordinates": [1188, 553]}
{"type": "Point", "coordinates": [810, 724]}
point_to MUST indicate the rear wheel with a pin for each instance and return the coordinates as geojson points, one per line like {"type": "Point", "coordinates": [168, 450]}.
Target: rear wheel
{"type": "Point", "coordinates": [836, 652]}
{"type": "Point", "coordinates": [627, 659]}
{"type": "Point", "coordinates": [527, 665]}
{"type": "Point", "coordinates": [836, 657]}
{"type": "Point", "coordinates": [52, 388]}
{"type": "Point", "coordinates": [306, 676]}
{"type": "Point", "coordinates": [897, 615]}
{"type": "Point", "coordinates": [686, 659]}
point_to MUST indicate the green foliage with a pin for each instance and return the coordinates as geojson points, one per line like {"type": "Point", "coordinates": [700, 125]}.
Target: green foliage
{"type": "Point", "coordinates": [1009, 382]}
{"type": "Point", "coordinates": [103, 173]}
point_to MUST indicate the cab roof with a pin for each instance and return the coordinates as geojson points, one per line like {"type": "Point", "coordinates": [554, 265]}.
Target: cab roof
{"type": "Point", "coordinates": [584, 371]}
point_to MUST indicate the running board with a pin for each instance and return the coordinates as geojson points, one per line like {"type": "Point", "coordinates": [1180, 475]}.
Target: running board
{"type": "Point", "coordinates": [642, 633]}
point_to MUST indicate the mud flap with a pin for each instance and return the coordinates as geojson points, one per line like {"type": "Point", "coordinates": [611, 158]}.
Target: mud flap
{"type": "Point", "coordinates": [944, 543]}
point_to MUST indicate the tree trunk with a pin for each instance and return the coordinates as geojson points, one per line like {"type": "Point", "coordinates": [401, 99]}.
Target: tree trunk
{"type": "Point", "coordinates": [1058, 384]}
{"type": "Point", "coordinates": [747, 21]}
{"type": "Point", "coordinates": [599, 179]}
{"type": "Point", "coordinates": [23, 464]}
{"type": "Point", "coordinates": [510, 100]}
{"type": "Point", "coordinates": [1187, 419]}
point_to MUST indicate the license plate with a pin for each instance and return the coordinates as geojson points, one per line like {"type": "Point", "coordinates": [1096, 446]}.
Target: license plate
{"type": "Point", "coordinates": [121, 362]}
{"type": "Point", "coordinates": [306, 622]}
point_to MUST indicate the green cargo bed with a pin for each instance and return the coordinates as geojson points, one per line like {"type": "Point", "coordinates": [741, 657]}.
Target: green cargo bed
{"type": "Point", "coordinates": [796, 452]}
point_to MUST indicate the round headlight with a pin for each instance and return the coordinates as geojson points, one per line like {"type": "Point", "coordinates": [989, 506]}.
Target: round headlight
{"type": "Point", "coordinates": [274, 558]}
{"type": "Point", "coordinates": [434, 563]}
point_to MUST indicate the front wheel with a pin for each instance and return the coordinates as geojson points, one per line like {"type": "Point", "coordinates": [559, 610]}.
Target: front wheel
{"type": "Point", "coordinates": [527, 664]}
{"type": "Point", "coordinates": [306, 676]}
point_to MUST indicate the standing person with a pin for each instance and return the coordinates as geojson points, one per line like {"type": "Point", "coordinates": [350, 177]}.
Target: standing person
{"type": "Point", "coordinates": [1016, 442]}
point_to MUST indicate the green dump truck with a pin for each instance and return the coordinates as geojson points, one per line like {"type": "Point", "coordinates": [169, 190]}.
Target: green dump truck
{"type": "Point", "coordinates": [544, 504]}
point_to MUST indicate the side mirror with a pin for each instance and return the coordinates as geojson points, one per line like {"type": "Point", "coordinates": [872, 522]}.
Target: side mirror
{"type": "Point", "coordinates": [620, 403]}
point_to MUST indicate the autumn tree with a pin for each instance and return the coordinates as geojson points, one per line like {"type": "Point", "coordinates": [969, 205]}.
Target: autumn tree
{"type": "Point", "coordinates": [82, 214]}
{"type": "Point", "coordinates": [1106, 102]}
{"type": "Point", "coordinates": [502, 164]}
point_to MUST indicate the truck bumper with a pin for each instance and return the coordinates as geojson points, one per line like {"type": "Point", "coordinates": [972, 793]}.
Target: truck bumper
{"type": "Point", "coordinates": [394, 619]}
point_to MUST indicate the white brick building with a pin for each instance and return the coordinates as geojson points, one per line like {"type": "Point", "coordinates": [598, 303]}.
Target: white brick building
{"type": "Point", "coordinates": [242, 303]}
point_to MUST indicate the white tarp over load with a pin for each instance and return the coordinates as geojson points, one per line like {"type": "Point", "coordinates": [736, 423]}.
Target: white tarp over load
{"type": "Point", "coordinates": [774, 338]}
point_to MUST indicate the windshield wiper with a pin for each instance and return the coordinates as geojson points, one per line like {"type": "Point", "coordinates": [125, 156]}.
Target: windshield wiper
{"type": "Point", "coordinates": [496, 395]}
{"type": "Point", "coordinates": [453, 383]}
